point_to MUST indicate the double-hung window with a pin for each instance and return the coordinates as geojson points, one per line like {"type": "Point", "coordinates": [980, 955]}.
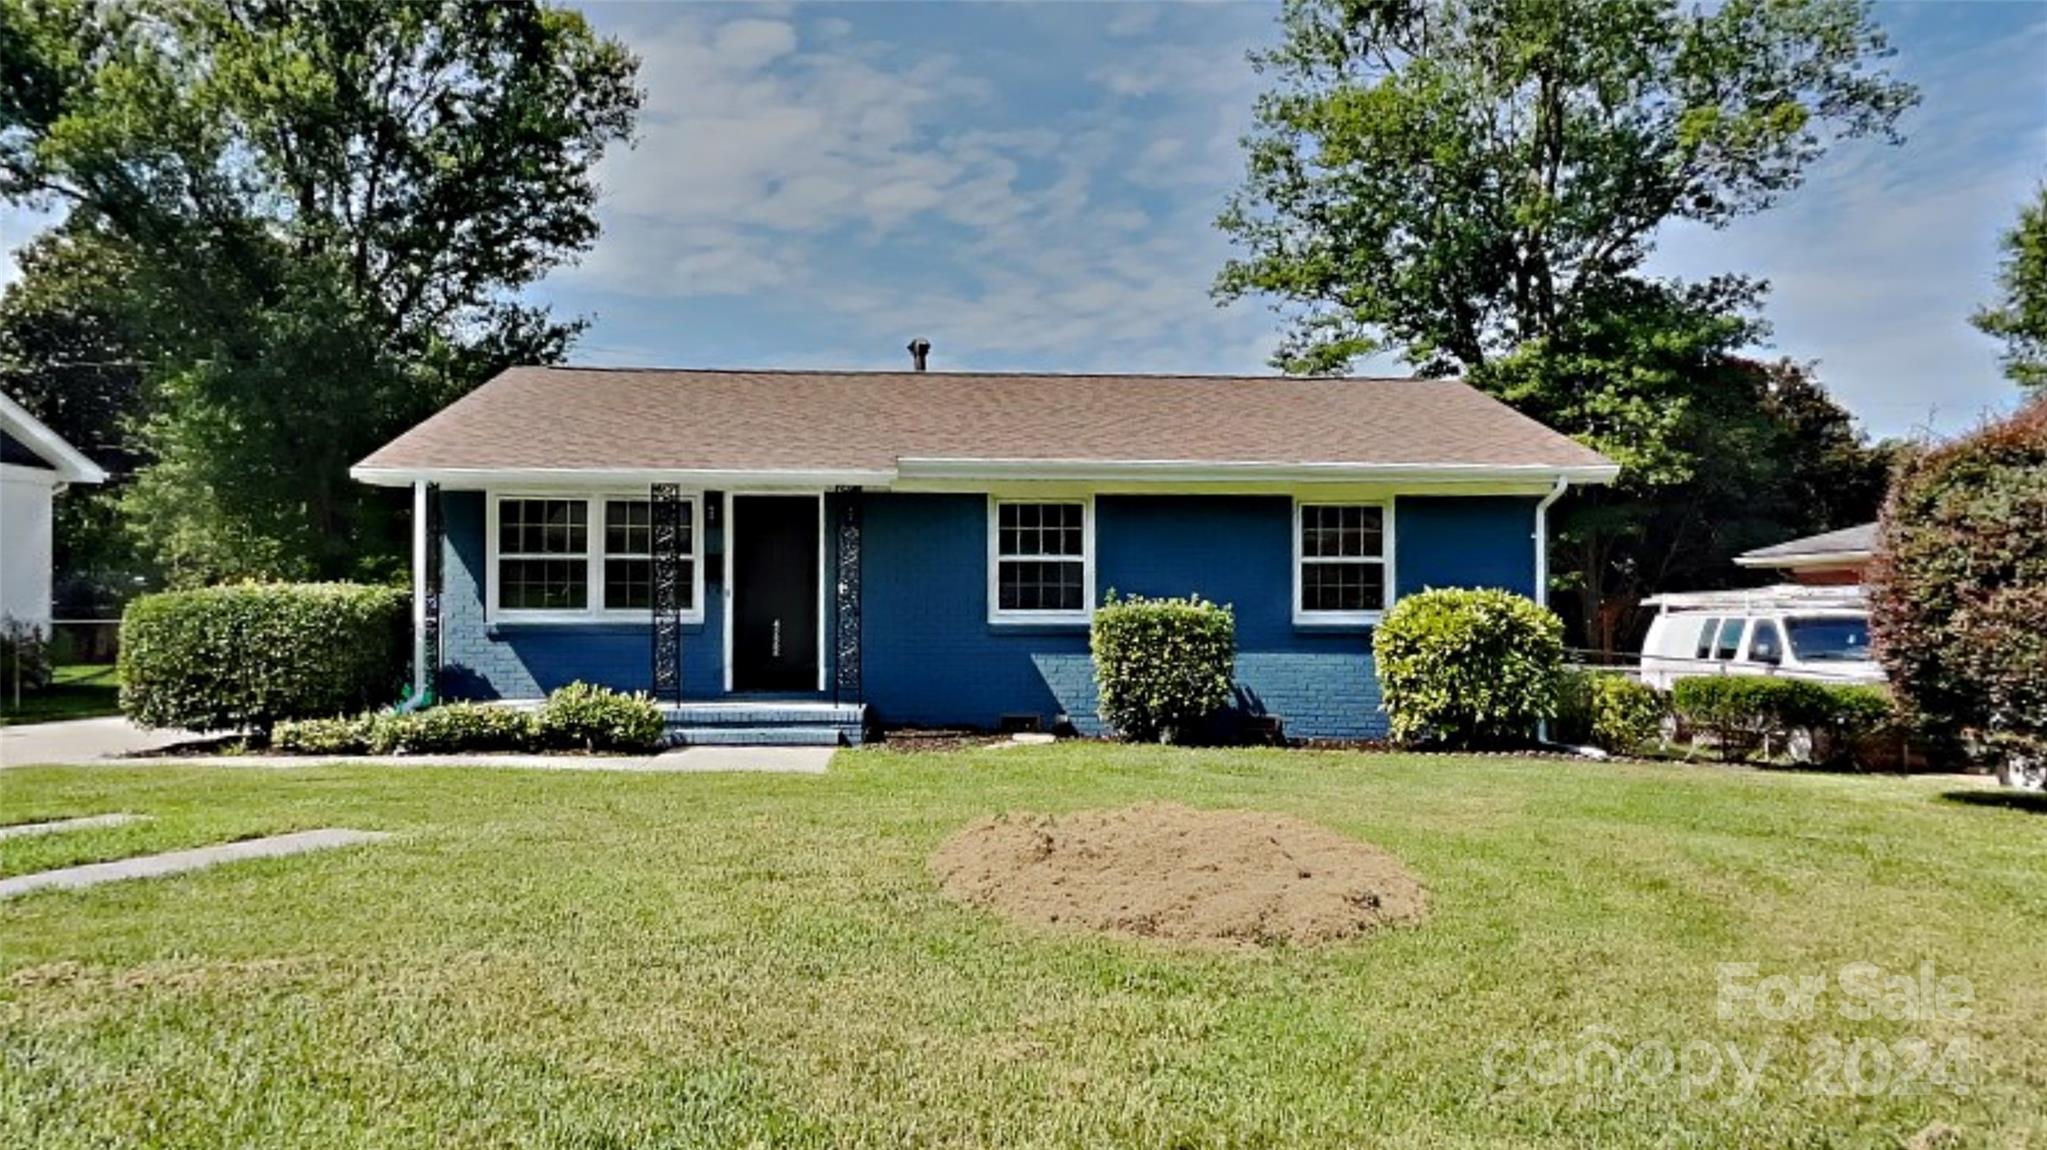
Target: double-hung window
{"type": "Point", "coordinates": [1341, 568]}
{"type": "Point", "coordinates": [570, 558]}
{"type": "Point", "coordinates": [1040, 560]}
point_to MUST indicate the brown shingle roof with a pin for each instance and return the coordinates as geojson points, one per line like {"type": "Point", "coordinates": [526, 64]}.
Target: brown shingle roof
{"type": "Point", "coordinates": [827, 421]}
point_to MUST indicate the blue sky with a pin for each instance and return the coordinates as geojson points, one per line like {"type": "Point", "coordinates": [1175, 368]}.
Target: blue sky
{"type": "Point", "coordinates": [1032, 186]}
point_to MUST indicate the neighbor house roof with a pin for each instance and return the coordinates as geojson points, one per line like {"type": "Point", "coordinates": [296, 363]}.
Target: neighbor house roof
{"type": "Point", "coordinates": [880, 427]}
{"type": "Point", "coordinates": [1845, 546]}
{"type": "Point", "coordinates": [64, 460]}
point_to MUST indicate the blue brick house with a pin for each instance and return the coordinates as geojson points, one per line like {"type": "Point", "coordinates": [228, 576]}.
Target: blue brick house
{"type": "Point", "coordinates": [802, 553]}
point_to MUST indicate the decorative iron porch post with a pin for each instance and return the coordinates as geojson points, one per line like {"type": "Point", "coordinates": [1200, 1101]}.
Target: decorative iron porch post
{"type": "Point", "coordinates": [665, 508]}
{"type": "Point", "coordinates": [846, 603]}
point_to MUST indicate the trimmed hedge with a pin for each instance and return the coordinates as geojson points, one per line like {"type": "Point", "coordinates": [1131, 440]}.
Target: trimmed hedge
{"type": "Point", "coordinates": [249, 656]}
{"type": "Point", "coordinates": [1468, 668]}
{"type": "Point", "coordinates": [1847, 724]}
{"type": "Point", "coordinates": [1740, 713]}
{"type": "Point", "coordinates": [1958, 591]}
{"type": "Point", "coordinates": [1163, 667]}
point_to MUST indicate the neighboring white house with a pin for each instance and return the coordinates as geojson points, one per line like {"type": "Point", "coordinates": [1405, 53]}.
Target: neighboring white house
{"type": "Point", "coordinates": [35, 463]}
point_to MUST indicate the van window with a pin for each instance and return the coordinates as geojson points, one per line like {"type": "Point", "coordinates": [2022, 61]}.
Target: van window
{"type": "Point", "coordinates": [1830, 638]}
{"type": "Point", "coordinates": [1767, 644]}
{"type": "Point", "coordinates": [1730, 639]}
{"type": "Point", "coordinates": [1707, 631]}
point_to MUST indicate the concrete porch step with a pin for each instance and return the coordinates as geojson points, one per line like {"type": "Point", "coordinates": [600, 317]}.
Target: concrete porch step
{"type": "Point", "coordinates": [816, 735]}
{"type": "Point", "coordinates": [764, 723]}
{"type": "Point", "coordinates": [763, 713]}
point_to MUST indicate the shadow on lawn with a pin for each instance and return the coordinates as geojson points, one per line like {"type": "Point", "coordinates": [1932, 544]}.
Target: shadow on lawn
{"type": "Point", "coordinates": [2032, 802]}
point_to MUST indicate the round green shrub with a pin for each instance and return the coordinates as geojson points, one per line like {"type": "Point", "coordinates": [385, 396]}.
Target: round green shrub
{"type": "Point", "coordinates": [249, 656]}
{"type": "Point", "coordinates": [1958, 590]}
{"type": "Point", "coordinates": [1468, 668]}
{"type": "Point", "coordinates": [584, 717]}
{"type": "Point", "coordinates": [1163, 667]}
{"type": "Point", "coordinates": [1627, 715]}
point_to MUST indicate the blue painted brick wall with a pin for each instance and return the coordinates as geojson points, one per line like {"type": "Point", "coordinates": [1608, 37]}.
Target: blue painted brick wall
{"type": "Point", "coordinates": [524, 661]}
{"type": "Point", "coordinates": [933, 657]}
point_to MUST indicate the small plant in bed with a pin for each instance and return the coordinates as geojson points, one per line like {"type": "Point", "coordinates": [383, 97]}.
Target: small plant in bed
{"type": "Point", "coordinates": [582, 717]}
{"type": "Point", "coordinates": [578, 717]}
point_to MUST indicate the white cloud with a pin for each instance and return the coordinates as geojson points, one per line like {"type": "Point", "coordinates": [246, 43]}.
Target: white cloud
{"type": "Point", "coordinates": [894, 191]}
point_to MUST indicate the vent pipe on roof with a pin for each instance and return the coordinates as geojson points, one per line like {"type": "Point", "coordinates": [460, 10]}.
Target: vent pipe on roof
{"type": "Point", "coordinates": [920, 350]}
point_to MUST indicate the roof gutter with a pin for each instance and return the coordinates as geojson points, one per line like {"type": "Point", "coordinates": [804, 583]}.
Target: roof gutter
{"type": "Point", "coordinates": [1070, 470]}
{"type": "Point", "coordinates": [1199, 471]}
{"type": "Point", "coordinates": [594, 478]}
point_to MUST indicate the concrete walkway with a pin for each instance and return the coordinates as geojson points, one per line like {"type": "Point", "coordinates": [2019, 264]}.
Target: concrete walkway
{"type": "Point", "coordinates": [175, 862]}
{"type": "Point", "coordinates": [55, 826]}
{"type": "Point", "coordinates": [104, 742]}
{"type": "Point", "coordinates": [681, 760]}
{"type": "Point", "coordinates": [81, 741]}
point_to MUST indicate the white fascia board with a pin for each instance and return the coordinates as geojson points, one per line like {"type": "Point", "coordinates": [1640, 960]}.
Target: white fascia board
{"type": "Point", "coordinates": [1197, 471]}
{"type": "Point", "coordinates": [613, 478]}
{"type": "Point", "coordinates": [1801, 562]}
{"type": "Point", "coordinates": [71, 465]}
{"type": "Point", "coordinates": [914, 471]}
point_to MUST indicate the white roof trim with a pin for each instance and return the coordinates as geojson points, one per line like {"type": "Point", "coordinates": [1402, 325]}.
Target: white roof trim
{"type": "Point", "coordinates": [612, 477]}
{"type": "Point", "coordinates": [1144, 470]}
{"type": "Point", "coordinates": [1198, 471]}
{"type": "Point", "coordinates": [71, 465]}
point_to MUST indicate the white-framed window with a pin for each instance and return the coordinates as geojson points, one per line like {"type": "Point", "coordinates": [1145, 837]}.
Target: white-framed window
{"type": "Point", "coordinates": [1041, 560]}
{"type": "Point", "coordinates": [1343, 562]}
{"type": "Point", "coordinates": [582, 558]}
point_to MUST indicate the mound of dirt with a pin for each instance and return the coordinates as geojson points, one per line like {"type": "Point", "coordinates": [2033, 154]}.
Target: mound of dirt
{"type": "Point", "coordinates": [1166, 871]}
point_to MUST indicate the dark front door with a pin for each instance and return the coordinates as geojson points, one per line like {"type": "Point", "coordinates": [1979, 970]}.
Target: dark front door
{"type": "Point", "coordinates": [774, 592]}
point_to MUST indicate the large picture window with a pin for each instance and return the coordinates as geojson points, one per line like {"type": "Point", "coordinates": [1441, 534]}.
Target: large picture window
{"type": "Point", "coordinates": [1040, 560]}
{"type": "Point", "coordinates": [1340, 554]}
{"type": "Point", "coordinates": [565, 558]}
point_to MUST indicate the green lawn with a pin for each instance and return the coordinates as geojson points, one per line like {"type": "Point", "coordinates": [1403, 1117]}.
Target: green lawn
{"type": "Point", "coordinates": [76, 692]}
{"type": "Point", "coordinates": [591, 960]}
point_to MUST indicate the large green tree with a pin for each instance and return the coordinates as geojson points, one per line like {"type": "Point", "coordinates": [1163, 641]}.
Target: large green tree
{"type": "Point", "coordinates": [1450, 178]}
{"type": "Point", "coordinates": [1476, 186]}
{"type": "Point", "coordinates": [69, 352]}
{"type": "Point", "coordinates": [331, 209]}
{"type": "Point", "coordinates": [2019, 318]}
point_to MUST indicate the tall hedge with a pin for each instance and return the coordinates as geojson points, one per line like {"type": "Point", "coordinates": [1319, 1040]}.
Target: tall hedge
{"type": "Point", "coordinates": [1958, 591]}
{"type": "Point", "coordinates": [1468, 668]}
{"type": "Point", "coordinates": [248, 656]}
{"type": "Point", "coordinates": [1163, 667]}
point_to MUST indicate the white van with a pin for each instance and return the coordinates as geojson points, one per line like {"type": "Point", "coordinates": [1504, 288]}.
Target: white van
{"type": "Point", "coordinates": [1797, 631]}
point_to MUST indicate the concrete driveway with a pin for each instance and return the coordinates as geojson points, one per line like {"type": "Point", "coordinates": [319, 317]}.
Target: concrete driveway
{"type": "Point", "coordinates": [81, 741]}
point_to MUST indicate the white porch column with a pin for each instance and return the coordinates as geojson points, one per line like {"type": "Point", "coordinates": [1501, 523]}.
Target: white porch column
{"type": "Point", "coordinates": [420, 671]}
